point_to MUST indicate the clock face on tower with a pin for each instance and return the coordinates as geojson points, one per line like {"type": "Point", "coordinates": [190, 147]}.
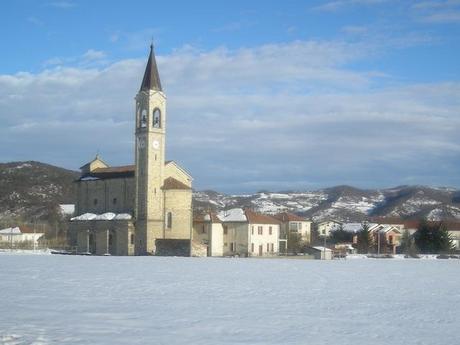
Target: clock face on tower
{"type": "Point", "coordinates": [155, 145]}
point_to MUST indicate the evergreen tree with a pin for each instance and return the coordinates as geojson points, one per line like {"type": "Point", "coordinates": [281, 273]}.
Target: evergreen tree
{"type": "Point", "coordinates": [432, 238]}
{"type": "Point", "coordinates": [315, 237]}
{"type": "Point", "coordinates": [341, 236]}
{"type": "Point", "coordinates": [294, 243]}
{"type": "Point", "coordinates": [444, 240]}
{"type": "Point", "coordinates": [405, 242]}
{"type": "Point", "coordinates": [364, 239]}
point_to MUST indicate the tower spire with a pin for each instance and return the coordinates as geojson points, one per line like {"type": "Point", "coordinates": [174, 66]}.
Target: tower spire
{"type": "Point", "coordinates": [151, 80]}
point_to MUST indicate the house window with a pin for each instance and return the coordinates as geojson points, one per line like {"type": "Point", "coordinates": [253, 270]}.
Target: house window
{"type": "Point", "coordinates": [95, 202]}
{"type": "Point", "coordinates": [225, 230]}
{"type": "Point", "coordinates": [260, 230]}
{"type": "Point", "coordinates": [293, 226]}
{"type": "Point", "coordinates": [231, 247]}
{"type": "Point", "coordinates": [268, 247]}
{"type": "Point", "coordinates": [156, 118]}
{"type": "Point", "coordinates": [203, 230]}
{"type": "Point", "coordinates": [252, 230]}
{"type": "Point", "coordinates": [273, 247]}
{"type": "Point", "coordinates": [169, 220]}
{"type": "Point", "coordinates": [114, 201]}
{"type": "Point", "coordinates": [252, 247]}
{"type": "Point", "coordinates": [270, 230]}
{"type": "Point", "coordinates": [390, 239]}
{"type": "Point", "coordinates": [323, 232]}
{"type": "Point", "coordinates": [132, 239]}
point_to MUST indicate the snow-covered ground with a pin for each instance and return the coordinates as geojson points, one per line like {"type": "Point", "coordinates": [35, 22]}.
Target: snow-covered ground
{"type": "Point", "coordinates": [52, 299]}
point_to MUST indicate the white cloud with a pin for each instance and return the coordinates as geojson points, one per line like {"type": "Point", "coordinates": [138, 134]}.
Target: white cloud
{"type": "Point", "coordinates": [281, 112]}
{"type": "Point", "coordinates": [442, 12]}
{"type": "Point", "coordinates": [88, 59]}
{"type": "Point", "coordinates": [92, 55]}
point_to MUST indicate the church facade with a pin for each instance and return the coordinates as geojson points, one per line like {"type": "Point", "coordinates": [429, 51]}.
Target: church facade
{"type": "Point", "coordinates": [139, 209]}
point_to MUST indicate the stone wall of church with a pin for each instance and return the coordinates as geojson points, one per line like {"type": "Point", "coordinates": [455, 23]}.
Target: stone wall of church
{"type": "Point", "coordinates": [109, 195]}
{"type": "Point", "coordinates": [179, 204]}
{"type": "Point", "coordinates": [103, 237]}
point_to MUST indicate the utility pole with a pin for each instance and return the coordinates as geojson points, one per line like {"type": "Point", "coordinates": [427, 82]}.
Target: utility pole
{"type": "Point", "coordinates": [324, 247]}
{"type": "Point", "coordinates": [107, 239]}
{"type": "Point", "coordinates": [34, 237]}
{"type": "Point", "coordinates": [87, 241]}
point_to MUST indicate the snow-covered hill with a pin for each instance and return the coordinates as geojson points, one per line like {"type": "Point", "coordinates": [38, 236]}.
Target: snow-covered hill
{"type": "Point", "coordinates": [31, 189]}
{"type": "Point", "coordinates": [345, 203]}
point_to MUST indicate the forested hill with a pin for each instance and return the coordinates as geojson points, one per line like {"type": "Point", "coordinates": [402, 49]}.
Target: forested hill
{"type": "Point", "coordinates": [33, 190]}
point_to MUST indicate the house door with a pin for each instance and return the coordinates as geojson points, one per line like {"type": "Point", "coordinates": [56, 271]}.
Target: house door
{"type": "Point", "coordinates": [261, 250]}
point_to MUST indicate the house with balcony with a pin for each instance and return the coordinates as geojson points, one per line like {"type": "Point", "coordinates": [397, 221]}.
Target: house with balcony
{"type": "Point", "coordinates": [292, 224]}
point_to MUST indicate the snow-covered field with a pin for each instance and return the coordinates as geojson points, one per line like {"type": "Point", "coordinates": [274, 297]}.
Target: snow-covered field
{"type": "Point", "coordinates": [51, 299]}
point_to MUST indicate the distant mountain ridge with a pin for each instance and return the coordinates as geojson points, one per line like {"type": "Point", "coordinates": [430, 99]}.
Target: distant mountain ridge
{"type": "Point", "coordinates": [33, 190]}
{"type": "Point", "coordinates": [345, 203]}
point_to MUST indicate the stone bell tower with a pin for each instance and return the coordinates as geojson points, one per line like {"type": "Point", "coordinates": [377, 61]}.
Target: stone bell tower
{"type": "Point", "coordinates": [150, 159]}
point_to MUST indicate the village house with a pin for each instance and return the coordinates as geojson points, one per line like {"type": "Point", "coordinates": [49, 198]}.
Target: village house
{"type": "Point", "coordinates": [293, 224]}
{"type": "Point", "coordinates": [237, 232]}
{"type": "Point", "coordinates": [325, 227]}
{"type": "Point", "coordinates": [386, 237]}
{"type": "Point", "coordinates": [19, 235]}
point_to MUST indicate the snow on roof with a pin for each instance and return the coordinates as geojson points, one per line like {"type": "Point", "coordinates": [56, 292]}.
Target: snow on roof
{"type": "Point", "coordinates": [67, 209]}
{"type": "Point", "coordinates": [232, 215]}
{"type": "Point", "coordinates": [123, 216]}
{"type": "Point", "coordinates": [14, 230]}
{"type": "Point", "coordinates": [104, 216]}
{"type": "Point", "coordinates": [18, 230]}
{"type": "Point", "coordinates": [384, 228]}
{"type": "Point", "coordinates": [89, 178]}
{"type": "Point", "coordinates": [321, 248]}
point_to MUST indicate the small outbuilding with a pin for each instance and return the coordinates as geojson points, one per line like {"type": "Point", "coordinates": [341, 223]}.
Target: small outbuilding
{"type": "Point", "coordinates": [319, 252]}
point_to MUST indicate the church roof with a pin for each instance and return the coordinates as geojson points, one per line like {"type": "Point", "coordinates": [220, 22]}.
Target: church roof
{"type": "Point", "coordinates": [172, 183]}
{"type": "Point", "coordinates": [111, 172]}
{"type": "Point", "coordinates": [151, 80]}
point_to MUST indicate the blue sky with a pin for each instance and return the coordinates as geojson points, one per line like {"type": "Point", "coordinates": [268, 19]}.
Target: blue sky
{"type": "Point", "coordinates": [261, 94]}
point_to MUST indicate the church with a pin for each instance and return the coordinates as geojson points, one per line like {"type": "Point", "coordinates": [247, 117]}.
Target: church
{"type": "Point", "coordinates": [140, 209]}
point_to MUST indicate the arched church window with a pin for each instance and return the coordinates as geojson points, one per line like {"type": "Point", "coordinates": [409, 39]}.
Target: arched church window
{"type": "Point", "coordinates": [156, 118]}
{"type": "Point", "coordinates": [144, 118]}
{"type": "Point", "coordinates": [169, 220]}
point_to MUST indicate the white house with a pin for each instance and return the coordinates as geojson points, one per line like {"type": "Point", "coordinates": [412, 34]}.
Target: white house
{"type": "Point", "coordinates": [237, 232]}
{"type": "Point", "coordinates": [19, 234]}
{"type": "Point", "coordinates": [325, 227]}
